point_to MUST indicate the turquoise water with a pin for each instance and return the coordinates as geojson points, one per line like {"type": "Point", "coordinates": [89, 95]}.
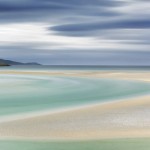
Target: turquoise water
{"type": "Point", "coordinates": [117, 144]}
{"type": "Point", "coordinates": [28, 93]}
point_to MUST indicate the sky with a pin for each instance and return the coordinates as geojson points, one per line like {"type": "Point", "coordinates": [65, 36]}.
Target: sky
{"type": "Point", "coordinates": [76, 32]}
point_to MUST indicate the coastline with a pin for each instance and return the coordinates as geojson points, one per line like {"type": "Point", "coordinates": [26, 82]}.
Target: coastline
{"type": "Point", "coordinates": [22, 116]}
{"type": "Point", "coordinates": [138, 75]}
{"type": "Point", "coordinates": [92, 128]}
{"type": "Point", "coordinates": [99, 121]}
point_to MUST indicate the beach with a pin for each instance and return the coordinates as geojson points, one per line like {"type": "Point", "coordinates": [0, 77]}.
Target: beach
{"type": "Point", "coordinates": [104, 120]}
{"type": "Point", "coordinates": [129, 118]}
{"type": "Point", "coordinates": [126, 117]}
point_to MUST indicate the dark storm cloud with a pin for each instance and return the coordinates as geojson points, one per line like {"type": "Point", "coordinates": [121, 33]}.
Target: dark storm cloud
{"type": "Point", "coordinates": [87, 27]}
{"type": "Point", "coordinates": [125, 22]}
{"type": "Point", "coordinates": [38, 10]}
{"type": "Point", "coordinates": [24, 6]}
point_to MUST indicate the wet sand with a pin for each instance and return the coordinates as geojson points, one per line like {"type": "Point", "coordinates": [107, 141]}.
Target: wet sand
{"type": "Point", "coordinates": [120, 119]}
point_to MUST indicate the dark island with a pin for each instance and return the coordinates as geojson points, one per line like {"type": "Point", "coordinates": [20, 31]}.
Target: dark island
{"type": "Point", "coordinates": [4, 62]}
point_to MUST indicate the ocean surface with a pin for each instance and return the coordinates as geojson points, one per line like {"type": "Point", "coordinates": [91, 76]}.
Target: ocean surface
{"type": "Point", "coordinates": [74, 67]}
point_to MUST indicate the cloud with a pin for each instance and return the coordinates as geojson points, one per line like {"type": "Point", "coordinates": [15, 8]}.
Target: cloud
{"type": "Point", "coordinates": [48, 10]}
{"type": "Point", "coordinates": [34, 29]}
{"type": "Point", "coordinates": [118, 24]}
{"type": "Point", "coordinates": [32, 5]}
{"type": "Point", "coordinates": [77, 57]}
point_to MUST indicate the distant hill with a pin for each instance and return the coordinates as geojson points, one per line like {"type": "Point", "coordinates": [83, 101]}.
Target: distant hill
{"type": "Point", "coordinates": [4, 62]}
{"type": "Point", "coordinates": [32, 63]}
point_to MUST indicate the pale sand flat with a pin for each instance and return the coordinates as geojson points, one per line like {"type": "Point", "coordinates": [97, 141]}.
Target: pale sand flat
{"type": "Point", "coordinates": [128, 118]}
{"type": "Point", "coordinates": [141, 76]}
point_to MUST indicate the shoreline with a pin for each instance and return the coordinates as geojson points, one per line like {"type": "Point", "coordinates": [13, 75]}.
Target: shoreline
{"type": "Point", "coordinates": [83, 74]}
{"type": "Point", "coordinates": [22, 116]}
{"type": "Point", "coordinates": [100, 133]}
{"type": "Point", "coordinates": [123, 118]}
{"type": "Point", "coordinates": [131, 75]}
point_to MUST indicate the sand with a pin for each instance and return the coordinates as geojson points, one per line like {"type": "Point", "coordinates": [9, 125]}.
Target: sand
{"type": "Point", "coordinates": [120, 119]}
